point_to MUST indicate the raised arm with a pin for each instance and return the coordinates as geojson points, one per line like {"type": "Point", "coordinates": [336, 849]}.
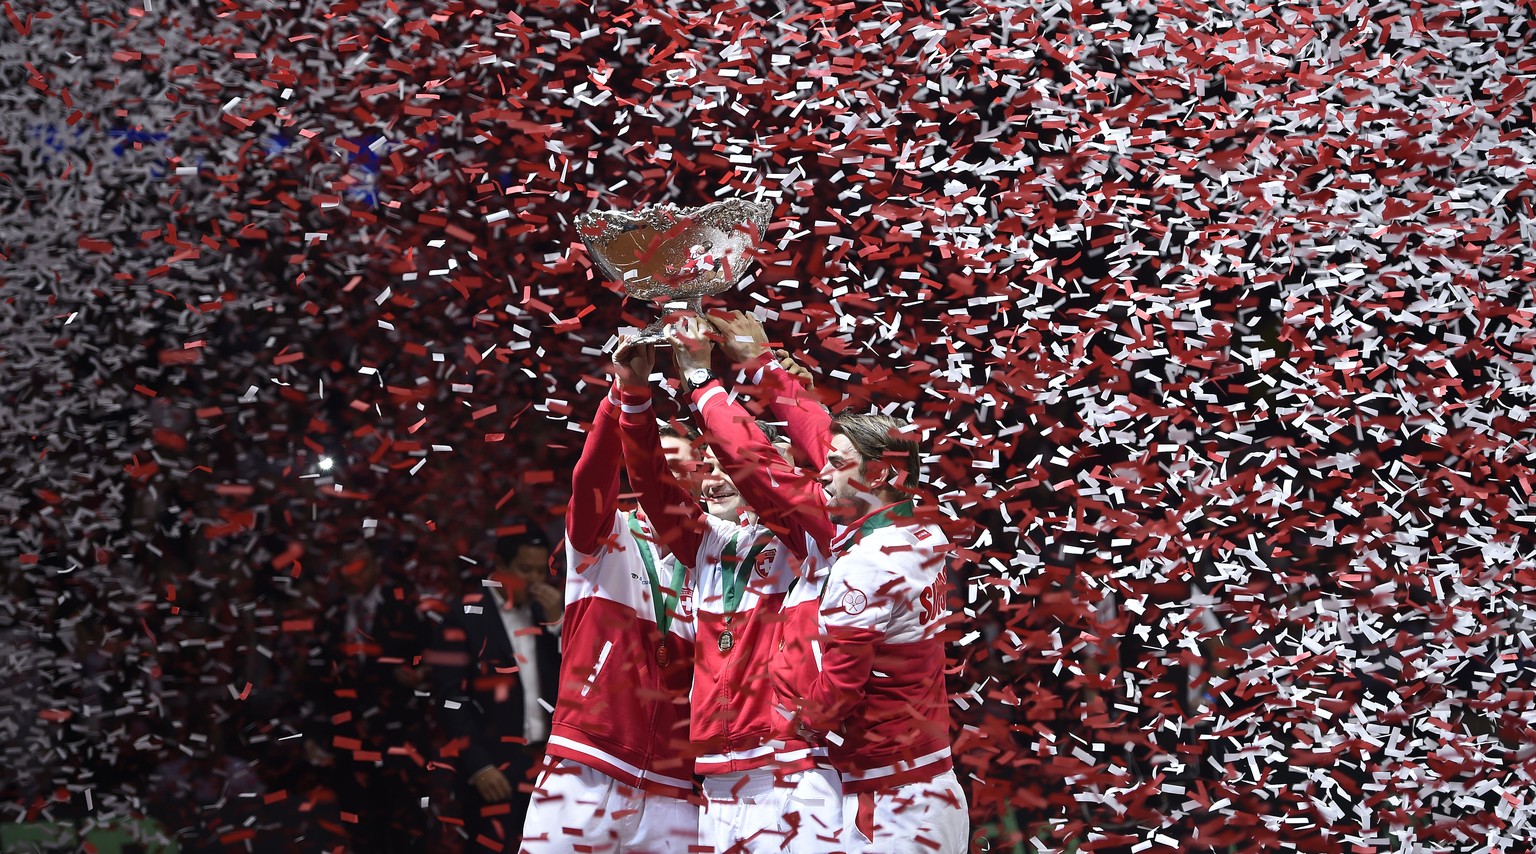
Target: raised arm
{"type": "Point", "coordinates": [806, 421]}
{"type": "Point", "coordinates": [789, 501]}
{"type": "Point", "coordinates": [673, 512]}
{"type": "Point", "coordinates": [595, 481]}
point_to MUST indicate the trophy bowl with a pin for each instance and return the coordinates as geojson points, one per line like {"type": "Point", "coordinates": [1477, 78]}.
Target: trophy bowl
{"type": "Point", "coordinates": [668, 254]}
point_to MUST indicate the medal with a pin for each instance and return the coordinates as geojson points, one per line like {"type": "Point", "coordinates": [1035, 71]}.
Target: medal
{"type": "Point", "coordinates": [661, 654]}
{"type": "Point", "coordinates": [735, 583]}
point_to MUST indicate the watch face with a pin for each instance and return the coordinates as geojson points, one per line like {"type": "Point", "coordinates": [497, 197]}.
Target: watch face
{"type": "Point", "coordinates": [698, 376]}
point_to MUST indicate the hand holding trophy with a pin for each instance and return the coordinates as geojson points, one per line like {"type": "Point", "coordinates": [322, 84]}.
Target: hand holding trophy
{"type": "Point", "coordinates": [668, 254]}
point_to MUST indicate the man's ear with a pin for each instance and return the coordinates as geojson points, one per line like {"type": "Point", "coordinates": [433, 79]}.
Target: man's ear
{"type": "Point", "coordinates": [893, 476]}
{"type": "Point", "coordinates": [876, 475]}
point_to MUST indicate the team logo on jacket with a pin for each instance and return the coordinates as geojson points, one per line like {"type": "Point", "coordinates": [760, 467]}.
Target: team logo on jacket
{"type": "Point", "coordinates": [765, 560]}
{"type": "Point", "coordinates": [685, 603]}
{"type": "Point", "coordinates": [854, 602]}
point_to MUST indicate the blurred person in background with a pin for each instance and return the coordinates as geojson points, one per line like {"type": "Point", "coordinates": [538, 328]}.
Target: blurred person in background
{"type": "Point", "coordinates": [204, 795]}
{"type": "Point", "coordinates": [495, 667]}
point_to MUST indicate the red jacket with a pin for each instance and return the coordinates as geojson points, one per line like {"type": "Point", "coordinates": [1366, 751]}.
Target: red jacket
{"type": "Point", "coordinates": [734, 711]}
{"type": "Point", "coordinates": [623, 706]}
{"type": "Point", "coordinates": [862, 666]}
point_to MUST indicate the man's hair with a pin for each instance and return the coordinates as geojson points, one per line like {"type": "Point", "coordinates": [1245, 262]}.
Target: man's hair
{"type": "Point", "coordinates": [880, 437]}
{"type": "Point", "coordinates": [771, 432]}
{"type": "Point", "coordinates": [508, 545]}
{"type": "Point", "coordinates": [669, 430]}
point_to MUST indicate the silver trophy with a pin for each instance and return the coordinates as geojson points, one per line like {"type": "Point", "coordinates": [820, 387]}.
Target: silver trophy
{"type": "Point", "coordinates": [675, 256]}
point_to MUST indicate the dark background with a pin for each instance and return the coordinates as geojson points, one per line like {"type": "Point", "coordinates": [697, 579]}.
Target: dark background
{"type": "Point", "coordinates": [1218, 321]}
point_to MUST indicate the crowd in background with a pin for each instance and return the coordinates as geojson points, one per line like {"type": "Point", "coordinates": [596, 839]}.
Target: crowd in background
{"type": "Point", "coordinates": [229, 707]}
{"type": "Point", "coordinates": [284, 710]}
{"type": "Point", "coordinates": [186, 684]}
{"type": "Point", "coordinates": [241, 710]}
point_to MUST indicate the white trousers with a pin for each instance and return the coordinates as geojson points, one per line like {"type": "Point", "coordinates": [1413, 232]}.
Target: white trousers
{"type": "Point", "coordinates": [919, 818]}
{"type": "Point", "coordinates": [753, 812]}
{"type": "Point", "coordinates": [578, 810]}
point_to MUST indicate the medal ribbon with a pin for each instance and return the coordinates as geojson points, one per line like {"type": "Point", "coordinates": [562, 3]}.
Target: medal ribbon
{"type": "Point", "coordinates": [736, 581]}
{"type": "Point", "coordinates": [665, 602]}
{"type": "Point", "coordinates": [882, 518]}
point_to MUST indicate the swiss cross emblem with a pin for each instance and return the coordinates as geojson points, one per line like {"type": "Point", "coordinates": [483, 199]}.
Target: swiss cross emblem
{"type": "Point", "coordinates": [765, 560]}
{"type": "Point", "coordinates": [685, 602]}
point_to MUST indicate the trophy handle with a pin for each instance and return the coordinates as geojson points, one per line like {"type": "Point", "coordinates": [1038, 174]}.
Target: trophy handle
{"type": "Point", "coordinates": [656, 332]}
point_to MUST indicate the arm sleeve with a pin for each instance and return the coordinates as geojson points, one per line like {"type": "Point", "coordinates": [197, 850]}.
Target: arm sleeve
{"type": "Point", "coordinates": [789, 502]}
{"type": "Point", "coordinates": [595, 482]}
{"type": "Point", "coordinates": [676, 516]}
{"type": "Point", "coordinates": [806, 421]}
{"type": "Point", "coordinates": [456, 713]}
{"type": "Point", "coordinates": [856, 612]}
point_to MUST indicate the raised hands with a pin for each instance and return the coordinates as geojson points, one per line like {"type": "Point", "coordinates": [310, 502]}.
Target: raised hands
{"type": "Point", "coordinates": [633, 362]}
{"type": "Point", "coordinates": [801, 373]}
{"type": "Point", "coordinates": [692, 342]}
{"type": "Point", "coordinates": [742, 336]}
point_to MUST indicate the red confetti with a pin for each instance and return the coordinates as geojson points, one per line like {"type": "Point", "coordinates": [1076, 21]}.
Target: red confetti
{"type": "Point", "coordinates": [1215, 321]}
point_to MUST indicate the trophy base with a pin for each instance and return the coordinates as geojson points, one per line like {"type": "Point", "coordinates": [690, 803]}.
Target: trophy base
{"type": "Point", "coordinates": [655, 333]}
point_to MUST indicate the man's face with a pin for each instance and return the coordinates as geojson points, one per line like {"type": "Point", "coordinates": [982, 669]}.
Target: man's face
{"type": "Point", "coordinates": [685, 466]}
{"type": "Point", "coordinates": [529, 565]}
{"type": "Point", "coordinates": [842, 480]}
{"type": "Point", "coordinates": [721, 500]}
{"type": "Point", "coordinates": [531, 561]}
{"type": "Point", "coordinates": [785, 453]}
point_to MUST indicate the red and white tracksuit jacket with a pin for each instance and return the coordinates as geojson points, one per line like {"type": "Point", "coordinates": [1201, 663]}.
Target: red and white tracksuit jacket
{"type": "Point", "coordinates": [623, 706]}
{"type": "Point", "coordinates": [735, 719]}
{"type": "Point", "coordinates": [862, 667]}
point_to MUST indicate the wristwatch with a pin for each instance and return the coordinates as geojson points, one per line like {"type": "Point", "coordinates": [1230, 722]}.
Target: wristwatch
{"type": "Point", "coordinates": [697, 377]}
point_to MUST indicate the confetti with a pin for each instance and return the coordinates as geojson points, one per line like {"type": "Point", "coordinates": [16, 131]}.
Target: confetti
{"type": "Point", "coordinates": [1215, 321]}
